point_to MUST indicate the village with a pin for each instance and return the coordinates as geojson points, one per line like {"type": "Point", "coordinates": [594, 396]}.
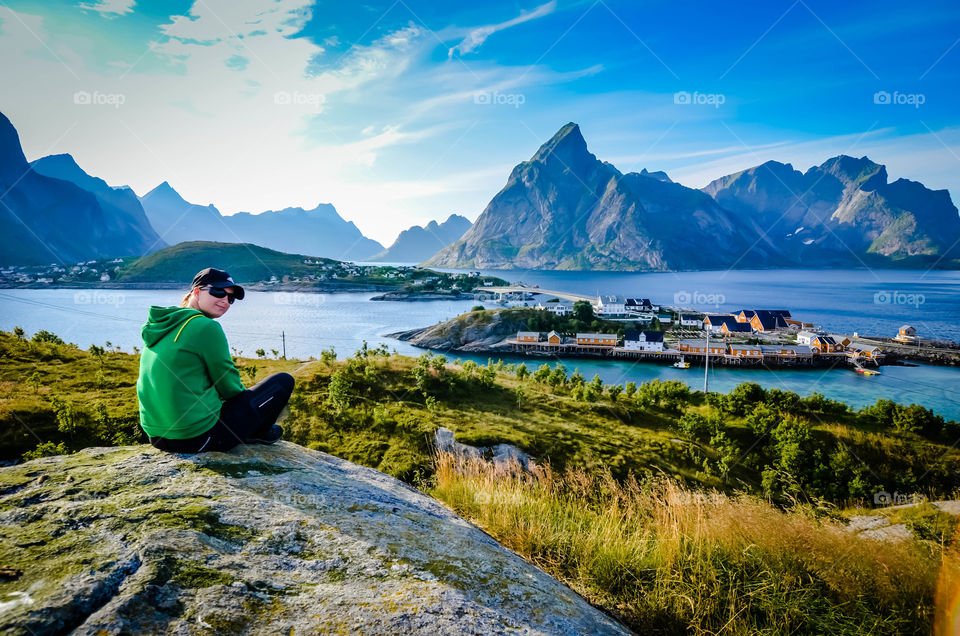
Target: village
{"type": "Point", "coordinates": [749, 337]}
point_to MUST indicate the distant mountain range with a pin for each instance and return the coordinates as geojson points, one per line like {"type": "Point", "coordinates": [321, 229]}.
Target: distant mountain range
{"type": "Point", "coordinates": [562, 209]}
{"type": "Point", "coordinates": [421, 242]}
{"type": "Point", "coordinates": [51, 211]}
{"type": "Point", "coordinates": [843, 211]}
{"type": "Point", "coordinates": [317, 232]}
{"type": "Point", "coordinates": [566, 209]}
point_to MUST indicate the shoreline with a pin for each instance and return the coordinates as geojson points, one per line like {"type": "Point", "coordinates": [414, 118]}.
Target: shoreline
{"type": "Point", "coordinates": [896, 354]}
{"type": "Point", "coordinates": [387, 292]}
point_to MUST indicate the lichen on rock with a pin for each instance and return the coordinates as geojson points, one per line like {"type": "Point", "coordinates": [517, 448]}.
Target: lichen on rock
{"type": "Point", "coordinates": [263, 539]}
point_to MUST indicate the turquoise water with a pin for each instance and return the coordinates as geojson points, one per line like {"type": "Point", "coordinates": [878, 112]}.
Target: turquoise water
{"type": "Point", "coordinates": [313, 322]}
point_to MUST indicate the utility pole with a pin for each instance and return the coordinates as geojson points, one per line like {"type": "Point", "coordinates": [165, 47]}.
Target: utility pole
{"type": "Point", "coordinates": [706, 363]}
{"type": "Point", "coordinates": [283, 338]}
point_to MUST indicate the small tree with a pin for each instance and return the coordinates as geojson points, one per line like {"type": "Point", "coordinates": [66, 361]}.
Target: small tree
{"type": "Point", "coordinates": [98, 352]}
{"type": "Point", "coordinates": [522, 371]}
{"type": "Point", "coordinates": [338, 394]}
{"type": "Point", "coordinates": [583, 311]}
{"type": "Point", "coordinates": [542, 374]}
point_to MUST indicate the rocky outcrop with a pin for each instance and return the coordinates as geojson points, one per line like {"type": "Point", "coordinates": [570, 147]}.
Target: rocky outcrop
{"type": "Point", "coordinates": [504, 455]}
{"type": "Point", "coordinates": [260, 540]}
{"type": "Point", "coordinates": [474, 331]}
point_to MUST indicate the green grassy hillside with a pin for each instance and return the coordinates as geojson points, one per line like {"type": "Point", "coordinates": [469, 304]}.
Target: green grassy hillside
{"type": "Point", "coordinates": [244, 261]}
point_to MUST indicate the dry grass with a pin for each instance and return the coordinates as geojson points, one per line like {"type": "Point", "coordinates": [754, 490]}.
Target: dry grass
{"type": "Point", "coordinates": [665, 559]}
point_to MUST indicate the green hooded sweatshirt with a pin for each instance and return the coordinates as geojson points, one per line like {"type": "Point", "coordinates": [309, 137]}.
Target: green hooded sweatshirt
{"type": "Point", "coordinates": [186, 373]}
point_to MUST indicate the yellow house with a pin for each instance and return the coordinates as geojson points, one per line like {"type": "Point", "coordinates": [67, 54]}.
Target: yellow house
{"type": "Point", "coordinates": [700, 346]}
{"type": "Point", "coordinates": [597, 339]}
{"type": "Point", "coordinates": [554, 338]}
{"type": "Point", "coordinates": [528, 336]}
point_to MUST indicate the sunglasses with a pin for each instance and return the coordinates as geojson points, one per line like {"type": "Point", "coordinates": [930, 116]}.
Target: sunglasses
{"type": "Point", "coordinates": [220, 293]}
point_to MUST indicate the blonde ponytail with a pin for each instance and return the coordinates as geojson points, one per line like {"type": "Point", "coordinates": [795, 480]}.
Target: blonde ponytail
{"type": "Point", "coordinates": [186, 299]}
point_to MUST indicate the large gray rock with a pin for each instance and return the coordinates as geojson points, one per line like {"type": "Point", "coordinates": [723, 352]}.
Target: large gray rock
{"type": "Point", "coordinates": [474, 331]}
{"type": "Point", "coordinates": [277, 539]}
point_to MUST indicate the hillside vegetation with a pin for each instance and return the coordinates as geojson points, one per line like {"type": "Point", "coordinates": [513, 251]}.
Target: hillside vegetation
{"type": "Point", "coordinates": [670, 509]}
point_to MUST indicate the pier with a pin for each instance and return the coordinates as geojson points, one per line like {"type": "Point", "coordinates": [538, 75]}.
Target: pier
{"type": "Point", "coordinates": [572, 350]}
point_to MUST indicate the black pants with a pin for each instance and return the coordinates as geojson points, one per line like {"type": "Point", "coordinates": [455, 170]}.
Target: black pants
{"type": "Point", "coordinates": [242, 417]}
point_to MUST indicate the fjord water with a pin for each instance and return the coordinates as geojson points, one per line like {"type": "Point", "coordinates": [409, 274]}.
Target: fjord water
{"type": "Point", "coordinates": [841, 301]}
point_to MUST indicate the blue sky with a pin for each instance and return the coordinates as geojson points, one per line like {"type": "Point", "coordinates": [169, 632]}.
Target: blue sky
{"type": "Point", "coordinates": [403, 111]}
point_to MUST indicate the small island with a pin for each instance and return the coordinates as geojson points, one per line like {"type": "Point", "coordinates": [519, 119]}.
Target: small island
{"type": "Point", "coordinates": [534, 324]}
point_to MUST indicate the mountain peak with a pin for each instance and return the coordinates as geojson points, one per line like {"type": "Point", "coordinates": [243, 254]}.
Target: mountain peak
{"type": "Point", "coordinates": [659, 175]}
{"type": "Point", "coordinates": [12, 159]}
{"type": "Point", "coordinates": [862, 172]}
{"type": "Point", "coordinates": [568, 143]}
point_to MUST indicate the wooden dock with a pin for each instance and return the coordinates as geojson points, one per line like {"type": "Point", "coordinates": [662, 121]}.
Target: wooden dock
{"type": "Point", "coordinates": [571, 350]}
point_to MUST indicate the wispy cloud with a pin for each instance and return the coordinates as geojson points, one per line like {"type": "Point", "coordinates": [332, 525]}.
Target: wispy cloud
{"type": "Point", "coordinates": [110, 8]}
{"type": "Point", "coordinates": [476, 36]}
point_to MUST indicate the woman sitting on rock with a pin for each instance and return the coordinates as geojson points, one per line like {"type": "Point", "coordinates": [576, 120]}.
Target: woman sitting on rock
{"type": "Point", "coordinates": [190, 393]}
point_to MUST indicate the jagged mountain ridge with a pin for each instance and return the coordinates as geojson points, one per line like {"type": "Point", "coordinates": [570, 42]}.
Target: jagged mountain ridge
{"type": "Point", "coordinates": [419, 243]}
{"type": "Point", "coordinates": [841, 210]}
{"type": "Point", "coordinates": [566, 209]}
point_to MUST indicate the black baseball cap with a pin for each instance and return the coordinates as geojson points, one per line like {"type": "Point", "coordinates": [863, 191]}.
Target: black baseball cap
{"type": "Point", "coordinates": [218, 279]}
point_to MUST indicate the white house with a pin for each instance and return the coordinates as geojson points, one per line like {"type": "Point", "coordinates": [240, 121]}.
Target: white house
{"type": "Point", "coordinates": [690, 320]}
{"type": "Point", "coordinates": [906, 334]}
{"type": "Point", "coordinates": [643, 340]}
{"type": "Point", "coordinates": [611, 305]}
{"type": "Point", "coordinates": [560, 308]}
{"type": "Point", "coordinates": [805, 337]}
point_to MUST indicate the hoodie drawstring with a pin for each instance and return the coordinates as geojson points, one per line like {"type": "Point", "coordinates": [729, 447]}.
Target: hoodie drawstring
{"type": "Point", "coordinates": [184, 325]}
